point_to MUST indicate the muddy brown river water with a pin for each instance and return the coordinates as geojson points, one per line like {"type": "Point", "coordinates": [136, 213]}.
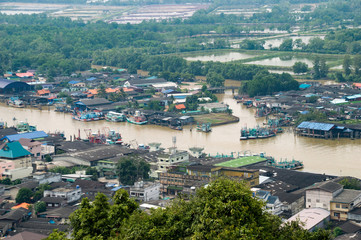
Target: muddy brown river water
{"type": "Point", "coordinates": [338, 157]}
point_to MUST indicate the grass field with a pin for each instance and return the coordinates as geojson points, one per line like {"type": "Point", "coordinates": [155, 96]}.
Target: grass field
{"type": "Point", "coordinates": [240, 162]}
{"type": "Point", "coordinates": [215, 118]}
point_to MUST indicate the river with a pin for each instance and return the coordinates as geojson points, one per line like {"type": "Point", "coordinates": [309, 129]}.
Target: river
{"type": "Point", "coordinates": [338, 157]}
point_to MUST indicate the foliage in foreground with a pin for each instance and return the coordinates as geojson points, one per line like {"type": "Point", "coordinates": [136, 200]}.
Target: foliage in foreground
{"type": "Point", "coordinates": [225, 209]}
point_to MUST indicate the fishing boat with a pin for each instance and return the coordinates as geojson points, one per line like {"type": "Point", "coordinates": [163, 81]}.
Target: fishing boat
{"type": "Point", "coordinates": [115, 117]}
{"type": "Point", "coordinates": [284, 164]}
{"type": "Point", "coordinates": [114, 138]}
{"type": "Point", "coordinates": [204, 127]}
{"type": "Point", "coordinates": [16, 102]}
{"type": "Point", "coordinates": [23, 127]}
{"type": "Point", "coordinates": [256, 133]}
{"type": "Point", "coordinates": [88, 116]}
{"type": "Point", "coordinates": [138, 118]}
{"type": "Point", "coordinates": [176, 127]}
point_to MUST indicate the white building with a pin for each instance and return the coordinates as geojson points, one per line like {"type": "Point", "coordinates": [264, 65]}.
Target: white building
{"type": "Point", "coordinates": [174, 156]}
{"type": "Point", "coordinates": [44, 177]}
{"type": "Point", "coordinates": [320, 194]}
{"type": "Point", "coordinates": [17, 173]}
{"type": "Point", "coordinates": [145, 192]}
{"type": "Point", "coordinates": [273, 204]}
{"type": "Point", "coordinates": [214, 107]}
{"type": "Point", "coordinates": [68, 194]}
{"type": "Point", "coordinates": [311, 218]}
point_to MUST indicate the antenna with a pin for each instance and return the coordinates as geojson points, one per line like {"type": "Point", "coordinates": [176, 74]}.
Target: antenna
{"type": "Point", "coordinates": [174, 140]}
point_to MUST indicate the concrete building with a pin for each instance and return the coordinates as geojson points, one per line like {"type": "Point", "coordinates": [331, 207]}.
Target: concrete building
{"type": "Point", "coordinates": [214, 107]}
{"type": "Point", "coordinates": [312, 218]}
{"type": "Point", "coordinates": [13, 151]}
{"type": "Point", "coordinates": [17, 173]}
{"type": "Point", "coordinates": [34, 147]}
{"type": "Point", "coordinates": [47, 178]}
{"type": "Point", "coordinates": [320, 194]}
{"type": "Point", "coordinates": [172, 158]}
{"type": "Point", "coordinates": [145, 191]}
{"type": "Point", "coordinates": [343, 203]}
{"type": "Point", "coordinates": [6, 165]}
{"type": "Point", "coordinates": [273, 204]}
{"type": "Point", "coordinates": [69, 194]}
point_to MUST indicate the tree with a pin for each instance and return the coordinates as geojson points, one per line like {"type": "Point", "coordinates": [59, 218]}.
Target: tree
{"type": "Point", "coordinates": [99, 219]}
{"type": "Point", "coordinates": [101, 91]}
{"type": "Point", "coordinates": [215, 79]}
{"type": "Point", "coordinates": [286, 45]}
{"type": "Point", "coordinates": [69, 100]}
{"type": "Point", "coordinates": [300, 67]}
{"type": "Point", "coordinates": [347, 65]}
{"type": "Point", "coordinates": [351, 183]}
{"type": "Point", "coordinates": [316, 68]}
{"type": "Point", "coordinates": [323, 68]}
{"type": "Point", "coordinates": [24, 195]}
{"type": "Point", "coordinates": [40, 207]}
{"type": "Point", "coordinates": [357, 64]}
{"type": "Point", "coordinates": [57, 235]}
{"type": "Point", "coordinates": [131, 169]}
{"type": "Point", "coordinates": [225, 209]}
{"type": "Point", "coordinates": [48, 158]}
{"type": "Point", "coordinates": [92, 171]}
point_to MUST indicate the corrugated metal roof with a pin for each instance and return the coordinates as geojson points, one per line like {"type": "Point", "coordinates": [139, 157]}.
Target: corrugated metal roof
{"type": "Point", "coordinates": [316, 126]}
{"type": "Point", "coordinates": [29, 135]}
{"type": "Point", "coordinates": [13, 150]}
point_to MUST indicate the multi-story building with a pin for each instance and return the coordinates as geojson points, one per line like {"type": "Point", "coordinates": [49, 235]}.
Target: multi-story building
{"type": "Point", "coordinates": [13, 151]}
{"type": "Point", "coordinates": [187, 178]}
{"type": "Point", "coordinates": [68, 194]}
{"type": "Point", "coordinates": [320, 194]}
{"type": "Point", "coordinates": [343, 203]}
{"type": "Point", "coordinates": [145, 191]}
{"type": "Point", "coordinates": [165, 161]}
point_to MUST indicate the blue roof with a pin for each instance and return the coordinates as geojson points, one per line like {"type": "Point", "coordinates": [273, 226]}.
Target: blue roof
{"type": "Point", "coordinates": [316, 126]}
{"type": "Point", "coordinates": [167, 91]}
{"type": "Point", "coordinates": [29, 135]}
{"type": "Point", "coordinates": [304, 112]}
{"type": "Point", "coordinates": [116, 189]}
{"type": "Point", "coordinates": [152, 77]}
{"type": "Point", "coordinates": [73, 82]}
{"type": "Point", "coordinates": [304, 86]}
{"type": "Point", "coordinates": [91, 79]}
{"type": "Point", "coordinates": [13, 150]}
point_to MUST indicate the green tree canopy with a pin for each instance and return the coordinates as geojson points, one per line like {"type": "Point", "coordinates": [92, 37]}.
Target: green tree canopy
{"type": "Point", "coordinates": [131, 169]}
{"type": "Point", "coordinates": [300, 67]}
{"type": "Point", "coordinates": [225, 209]}
{"type": "Point", "coordinates": [24, 195]}
{"type": "Point", "coordinates": [40, 207]}
{"type": "Point", "coordinates": [215, 79]}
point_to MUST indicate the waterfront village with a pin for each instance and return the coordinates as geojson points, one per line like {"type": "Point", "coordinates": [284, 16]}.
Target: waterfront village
{"type": "Point", "coordinates": [44, 176]}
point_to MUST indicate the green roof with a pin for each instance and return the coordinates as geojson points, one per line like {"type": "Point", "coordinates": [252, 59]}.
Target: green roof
{"type": "Point", "coordinates": [240, 162]}
{"type": "Point", "coordinates": [13, 150]}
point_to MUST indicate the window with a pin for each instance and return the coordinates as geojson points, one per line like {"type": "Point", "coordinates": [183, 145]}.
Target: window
{"type": "Point", "coordinates": [309, 200]}
{"type": "Point", "coordinates": [336, 214]}
{"type": "Point", "coordinates": [324, 205]}
{"type": "Point", "coordinates": [318, 200]}
{"type": "Point", "coordinates": [337, 205]}
{"type": "Point", "coordinates": [344, 206]}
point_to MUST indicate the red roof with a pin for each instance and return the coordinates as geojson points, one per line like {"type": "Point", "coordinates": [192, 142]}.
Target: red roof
{"type": "Point", "coordinates": [93, 91]}
{"type": "Point", "coordinates": [43, 91]}
{"type": "Point", "coordinates": [357, 85]}
{"type": "Point", "coordinates": [22, 205]}
{"type": "Point", "coordinates": [180, 106]}
{"type": "Point", "coordinates": [27, 74]}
